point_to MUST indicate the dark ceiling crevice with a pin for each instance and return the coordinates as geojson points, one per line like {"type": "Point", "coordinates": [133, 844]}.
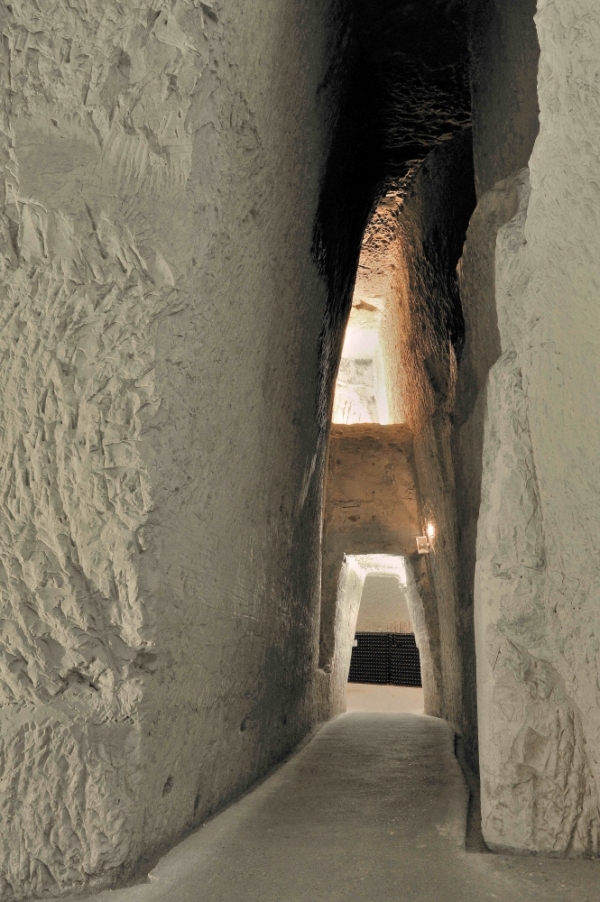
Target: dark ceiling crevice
{"type": "Point", "coordinates": [403, 88]}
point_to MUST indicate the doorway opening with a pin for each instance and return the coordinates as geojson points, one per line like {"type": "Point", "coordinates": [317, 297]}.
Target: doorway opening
{"type": "Point", "coordinates": [385, 671]}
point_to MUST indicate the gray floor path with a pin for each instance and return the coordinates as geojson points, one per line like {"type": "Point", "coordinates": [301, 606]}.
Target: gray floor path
{"type": "Point", "coordinates": [373, 809]}
{"type": "Point", "coordinates": [384, 699]}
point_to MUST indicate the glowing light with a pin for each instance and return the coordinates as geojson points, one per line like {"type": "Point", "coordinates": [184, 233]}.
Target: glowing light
{"type": "Point", "coordinates": [430, 530]}
{"type": "Point", "coordinates": [361, 389]}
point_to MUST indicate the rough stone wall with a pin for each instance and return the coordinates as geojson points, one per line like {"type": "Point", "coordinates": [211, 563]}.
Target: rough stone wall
{"type": "Point", "coordinates": [504, 59]}
{"type": "Point", "coordinates": [431, 220]}
{"type": "Point", "coordinates": [504, 102]}
{"type": "Point", "coordinates": [334, 677]}
{"type": "Point", "coordinates": [537, 577]}
{"type": "Point", "coordinates": [370, 488]}
{"type": "Point", "coordinates": [481, 350]}
{"type": "Point", "coordinates": [405, 90]}
{"type": "Point", "coordinates": [375, 295]}
{"type": "Point", "coordinates": [160, 471]}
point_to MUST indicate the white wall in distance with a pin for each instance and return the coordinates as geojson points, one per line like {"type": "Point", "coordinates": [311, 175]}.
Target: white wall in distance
{"type": "Point", "coordinates": [383, 605]}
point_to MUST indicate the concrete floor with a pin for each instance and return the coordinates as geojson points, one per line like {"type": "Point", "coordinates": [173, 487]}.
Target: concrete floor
{"type": "Point", "coordinates": [383, 699]}
{"type": "Point", "coordinates": [373, 809]}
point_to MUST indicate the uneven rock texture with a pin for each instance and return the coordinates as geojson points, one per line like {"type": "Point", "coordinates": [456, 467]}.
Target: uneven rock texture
{"type": "Point", "coordinates": [504, 64]}
{"type": "Point", "coordinates": [504, 101]}
{"type": "Point", "coordinates": [407, 270]}
{"type": "Point", "coordinates": [430, 223]}
{"type": "Point", "coordinates": [186, 184]}
{"type": "Point", "coordinates": [405, 90]}
{"type": "Point", "coordinates": [168, 352]}
{"type": "Point", "coordinates": [481, 350]}
{"type": "Point", "coordinates": [160, 470]}
{"type": "Point", "coordinates": [333, 674]}
{"type": "Point", "coordinates": [537, 577]}
{"type": "Point", "coordinates": [370, 489]}
{"type": "Point", "coordinates": [375, 296]}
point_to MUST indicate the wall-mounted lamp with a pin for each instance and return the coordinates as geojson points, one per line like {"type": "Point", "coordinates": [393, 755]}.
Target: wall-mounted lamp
{"type": "Point", "coordinates": [424, 542]}
{"type": "Point", "coordinates": [423, 546]}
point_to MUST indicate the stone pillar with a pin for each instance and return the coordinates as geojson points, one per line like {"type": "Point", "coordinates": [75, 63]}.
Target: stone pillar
{"type": "Point", "coordinates": [537, 577]}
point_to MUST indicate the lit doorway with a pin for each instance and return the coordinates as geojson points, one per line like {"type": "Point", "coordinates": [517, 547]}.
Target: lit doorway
{"type": "Point", "coordinates": [384, 673]}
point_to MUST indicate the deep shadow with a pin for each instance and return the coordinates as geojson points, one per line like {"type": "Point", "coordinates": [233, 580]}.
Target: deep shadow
{"type": "Point", "coordinates": [404, 84]}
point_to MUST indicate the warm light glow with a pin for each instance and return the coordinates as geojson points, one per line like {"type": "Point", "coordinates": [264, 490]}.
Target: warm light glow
{"type": "Point", "coordinates": [383, 564]}
{"type": "Point", "coordinates": [361, 392]}
{"type": "Point", "coordinates": [360, 343]}
{"type": "Point", "coordinates": [430, 531]}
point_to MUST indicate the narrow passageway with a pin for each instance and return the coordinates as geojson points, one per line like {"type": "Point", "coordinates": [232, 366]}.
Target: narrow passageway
{"type": "Point", "coordinates": [298, 387]}
{"type": "Point", "coordinates": [373, 809]}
